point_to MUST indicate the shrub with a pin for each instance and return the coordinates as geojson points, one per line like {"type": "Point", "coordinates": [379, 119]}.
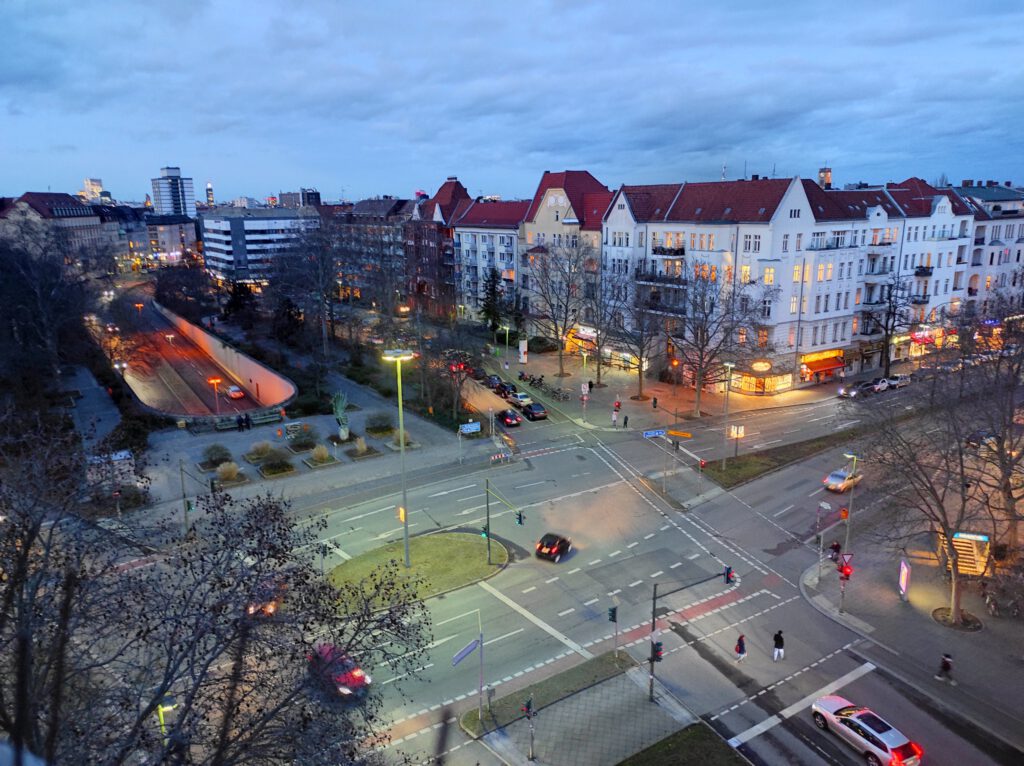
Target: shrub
{"type": "Point", "coordinates": [276, 461]}
{"type": "Point", "coordinates": [227, 471]}
{"type": "Point", "coordinates": [379, 422]}
{"type": "Point", "coordinates": [360, 445]}
{"type": "Point", "coordinates": [216, 455]}
{"type": "Point", "coordinates": [321, 454]}
{"type": "Point", "coordinates": [306, 440]}
{"type": "Point", "coordinates": [541, 345]}
{"type": "Point", "coordinates": [261, 450]}
{"type": "Point", "coordinates": [398, 441]}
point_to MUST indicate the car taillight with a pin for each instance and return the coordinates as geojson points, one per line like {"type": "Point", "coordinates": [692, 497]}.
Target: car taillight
{"type": "Point", "coordinates": [358, 673]}
{"type": "Point", "coordinates": [538, 546]}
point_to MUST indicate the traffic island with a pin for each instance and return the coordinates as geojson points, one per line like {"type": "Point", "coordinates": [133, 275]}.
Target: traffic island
{"type": "Point", "coordinates": [445, 562]}
{"type": "Point", "coordinates": [505, 710]}
{"type": "Point", "coordinates": [696, 744]}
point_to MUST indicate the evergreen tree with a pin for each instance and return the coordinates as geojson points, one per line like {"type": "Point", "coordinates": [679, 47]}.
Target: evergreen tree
{"type": "Point", "coordinates": [491, 308]}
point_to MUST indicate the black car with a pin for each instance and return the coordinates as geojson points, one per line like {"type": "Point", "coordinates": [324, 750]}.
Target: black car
{"type": "Point", "coordinates": [535, 411]}
{"type": "Point", "coordinates": [509, 417]}
{"type": "Point", "coordinates": [553, 547]}
{"type": "Point", "coordinates": [492, 381]}
{"type": "Point", "coordinates": [504, 389]}
{"type": "Point", "coordinates": [477, 373]}
{"type": "Point", "coordinates": [982, 436]}
{"type": "Point", "coordinates": [857, 390]}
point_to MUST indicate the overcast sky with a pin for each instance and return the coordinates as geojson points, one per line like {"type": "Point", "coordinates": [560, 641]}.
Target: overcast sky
{"type": "Point", "coordinates": [365, 98]}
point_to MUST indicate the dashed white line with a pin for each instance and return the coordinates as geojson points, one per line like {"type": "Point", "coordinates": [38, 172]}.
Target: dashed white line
{"type": "Point", "coordinates": [634, 584]}
{"type": "Point", "coordinates": [615, 592]}
{"type": "Point", "coordinates": [592, 601]}
{"type": "Point", "coordinates": [787, 508]}
{"type": "Point", "coordinates": [614, 553]}
{"type": "Point", "coordinates": [535, 620]}
{"type": "Point", "coordinates": [507, 635]}
{"type": "Point", "coordinates": [551, 579]}
{"type": "Point", "coordinates": [564, 612]}
{"type": "Point", "coordinates": [450, 491]}
{"type": "Point", "coordinates": [632, 545]}
{"type": "Point", "coordinates": [815, 492]}
{"type": "Point", "coordinates": [531, 484]}
{"type": "Point", "coordinates": [531, 588]}
{"type": "Point", "coordinates": [677, 564]}
{"type": "Point", "coordinates": [594, 562]}
{"type": "Point", "coordinates": [693, 556]}
{"type": "Point", "coordinates": [648, 537]}
{"type": "Point", "coordinates": [574, 571]}
{"type": "Point", "coordinates": [659, 573]}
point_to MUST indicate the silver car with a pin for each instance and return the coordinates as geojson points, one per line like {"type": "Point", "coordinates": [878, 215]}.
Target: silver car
{"type": "Point", "coordinates": [878, 741]}
{"type": "Point", "coordinates": [841, 480]}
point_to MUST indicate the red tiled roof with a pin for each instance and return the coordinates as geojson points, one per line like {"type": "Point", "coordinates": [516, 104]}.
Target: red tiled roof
{"type": "Point", "coordinates": [846, 204]}
{"type": "Point", "coordinates": [729, 201]}
{"type": "Point", "coordinates": [575, 184]}
{"type": "Point", "coordinates": [447, 197]}
{"type": "Point", "coordinates": [652, 202]}
{"type": "Point", "coordinates": [594, 206]}
{"type": "Point", "coordinates": [54, 204]}
{"type": "Point", "coordinates": [505, 215]}
{"type": "Point", "coordinates": [915, 197]}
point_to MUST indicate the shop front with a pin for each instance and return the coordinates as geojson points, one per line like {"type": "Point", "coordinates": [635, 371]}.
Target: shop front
{"type": "Point", "coordinates": [871, 355]}
{"type": "Point", "coordinates": [762, 377]}
{"type": "Point", "coordinates": [822, 366]}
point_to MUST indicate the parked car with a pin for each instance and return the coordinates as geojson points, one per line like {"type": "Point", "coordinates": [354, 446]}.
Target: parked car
{"type": "Point", "coordinates": [857, 390]}
{"type": "Point", "coordinates": [841, 480]}
{"type": "Point", "coordinates": [492, 381]}
{"type": "Point", "coordinates": [898, 380]}
{"type": "Point", "coordinates": [509, 417]}
{"type": "Point", "coordinates": [477, 373]}
{"type": "Point", "coordinates": [983, 436]}
{"type": "Point", "coordinates": [268, 597]}
{"type": "Point", "coordinates": [955, 366]}
{"type": "Point", "coordinates": [337, 673]}
{"type": "Point", "coordinates": [535, 411]}
{"type": "Point", "coordinates": [234, 392]}
{"type": "Point", "coordinates": [520, 399]}
{"type": "Point", "coordinates": [505, 389]}
{"type": "Point", "coordinates": [553, 547]}
{"type": "Point", "coordinates": [878, 385]}
{"type": "Point", "coordinates": [878, 741]}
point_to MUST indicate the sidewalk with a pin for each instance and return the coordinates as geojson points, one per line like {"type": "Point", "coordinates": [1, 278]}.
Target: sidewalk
{"type": "Point", "coordinates": [908, 644]}
{"type": "Point", "coordinates": [94, 413]}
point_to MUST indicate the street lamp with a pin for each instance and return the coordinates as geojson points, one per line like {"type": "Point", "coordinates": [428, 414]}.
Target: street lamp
{"type": "Point", "coordinates": [215, 381]}
{"type": "Point", "coordinates": [170, 338]}
{"type": "Point", "coordinates": [506, 328]}
{"type": "Point", "coordinates": [138, 307]}
{"type": "Point", "coordinates": [398, 356]}
{"type": "Point", "coordinates": [853, 487]}
{"type": "Point", "coordinates": [725, 430]}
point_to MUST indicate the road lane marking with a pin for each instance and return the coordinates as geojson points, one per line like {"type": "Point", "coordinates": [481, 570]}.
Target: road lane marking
{"type": "Point", "coordinates": [632, 545]}
{"type": "Point", "coordinates": [535, 620]}
{"type": "Point", "coordinates": [531, 484]}
{"type": "Point", "coordinates": [848, 423]}
{"type": "Point", "coordinates": [592, 601]}
{"type": "Point", "coordinates": [594, 562]}
{"type": "Point", "coordinates": [634, 584]}
{"type": "Point", "coordinates": [693, 556]}
{"type": "Point", "coordinates": [794, 431]}
{"type": "Point", "coordinates": [677, 564]}
{"type": "Point", "coordinates": [490, 641]}
{"type": "Point", "coordinates": [551, 579]}
{"type": "Point", "coordinates": [573, 571]}
{"type": "Point", "coordinates": [796, 707]}
{"type": "Point", "coordinates": [819, 489]}
{"type": "Point", "coordinates": [648, 537]}
{"type": "Point", "coordinates": [403, 675]}
{"type": "Point", "coordinates": [456, 617]}
{"type": "Point", "coordinates": [659, 573]}
{"type": "Point", "coordinates": [665, 526]}
{"type": "Point", "coordinates": [469, 497]}
{"type": "Point", "coordinates": [787, 508]}
{"type": "Point", "coordinates": [614, 553]}
{"type": "Point", "coordinates": [564, 612]}
{"type": "Point", "coordinates": [765, 444]}
{"type": "Point", "coordinates": [527, 590]}
{"type": "Point", "coordinates": [450, 491]}
{"type": "Point", "coordinates": [814, 420]}
{"type": "Point", "coordinates": [615, 592]}
{"type": "Point", "coordinates": [385, 535]}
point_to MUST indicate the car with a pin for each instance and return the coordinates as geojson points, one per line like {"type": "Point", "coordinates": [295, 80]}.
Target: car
{"type": "Point", "coordinates": [983, 436]}
{"type": "Point", "coordinates": [841, 480]}
{"type": "Point", "coordinates": [898, 380]}
{"type": "Point", "coordinates": [268, 597]}
{"type": "Point", "coordinates": [955, 366]}
{"type": "Point", "coordinates": [535, 411]}
{"type": "Point", "coordinates": [520, 399]}
{"type": "Point", "coordinates": [337, 673]}
{"type": "Point", "coordinates": [878, 741]}
{"type": "Point", "coordinates": [509, 417]}
{"type": "Point", "coordinates": [477, 373]}
{"type": "Point", "coordinates": [492, 381]}
{"type": "Point", "coordinates": [505, 389]}
{"type": "Point", "coordinates": [553, 547]}
{"type": "Point", "coordinates": [857, 390]}
{"type": "Point", "coordinates": [878, 385]}
{"type": "Point", "coordinates": [234, 392]}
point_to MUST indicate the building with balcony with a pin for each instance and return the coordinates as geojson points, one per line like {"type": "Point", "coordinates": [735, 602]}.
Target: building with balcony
{"type": "Point", "coordinates": [77, 224]}
{"type": "Point", "coordinates": [486, 236]}
{"type": "Point", "coordinates": [243, 244]}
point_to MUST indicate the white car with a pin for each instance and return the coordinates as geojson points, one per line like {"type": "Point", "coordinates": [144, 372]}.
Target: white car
{"type": "Point", "coordinates": [520, 399]}
{"type": "Point", "coordinates": [876, 740]}
{"type": "Point", "coordinates": [898, 381]}
{"type": "Point", "coordinates": [234, 392]}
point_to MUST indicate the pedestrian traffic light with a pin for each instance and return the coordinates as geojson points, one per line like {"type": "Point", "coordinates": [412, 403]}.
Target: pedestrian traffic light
{"type": "Point", "coordinates": [613, 614]}
{"type": "Point", "coordinates": [519, 518]}
{"type": "Point", "coordinates": [213, 485]}
{"type": "Point", "coordinates": [727, 575]}
{"type": "Point", "coordinates": [845, 570]}
{"type": "Point", "coordinates": [657, 651]}
{"type": "Point", "coordinates": [703, 463]}
{"type": "Point", "coordinates": [484, 531]}
{"type": "Point", "coordinates": [527, 707]}
{"type": "Point", "coordinates": [654, 402]}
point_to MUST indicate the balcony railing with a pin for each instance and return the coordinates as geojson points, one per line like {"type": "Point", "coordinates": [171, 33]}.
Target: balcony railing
{"type": "Point", "coordinates": [874, 301]}
{"type": "Point", "coordinates": [881, 272]}
{"type": "Point", "coordinates": [923, 271]}
{"type": "Point", "coordinates": [979, 240]}
{"type": "Point", "coordinates": [920, 300]}
{"type": "Point", "coordinates": [663, 308]}
{"type": "Point", "coordinates": [972, 291]}
{"type": "Point", "coordinates": [955, 288]}
{"type": "Point", "coordinates": [662, 250]}
{"type": "Point", "coordinates": [656, 278]}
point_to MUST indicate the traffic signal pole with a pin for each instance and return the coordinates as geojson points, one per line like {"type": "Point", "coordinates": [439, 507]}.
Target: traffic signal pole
{"type": "Point", "coordinates": [654, 627]}
{"type": "Point", "coordinates": [487, 491]}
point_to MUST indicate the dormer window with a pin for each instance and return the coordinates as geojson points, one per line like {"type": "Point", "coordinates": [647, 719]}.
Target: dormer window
{"type": "Point", "coordinates": [556, 215]}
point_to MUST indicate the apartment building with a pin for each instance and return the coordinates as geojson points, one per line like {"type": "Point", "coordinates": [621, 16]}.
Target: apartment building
{"type": "Point", "coordinates": [173, 194]}
{"type": "Point", "coordinates": [242, 244]}
{"type": "Point", "coordinates": [998, 241]}
{"type": "Point", "coordinates": [77, 222]}
{"type": "Point", "coordinates": [486, 236]}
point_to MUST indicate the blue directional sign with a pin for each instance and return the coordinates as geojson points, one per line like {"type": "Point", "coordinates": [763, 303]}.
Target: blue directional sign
{"type": "Point", "coordinates": [655, 432]}
{"type": "Point", "coordinates": [470, 428]}
{"type": "Point", "coordinates": [465, 651]}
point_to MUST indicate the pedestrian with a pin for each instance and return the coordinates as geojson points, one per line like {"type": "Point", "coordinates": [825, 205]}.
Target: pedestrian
{"type": "Point", "coordinates": [506, 364]}
{"type": "Point", "coordinates": [741, 648]}
{"type": "Point", "coordinates": [240, 423]}
{"type": "Point", "coordinates": [248, 422]}
{"type": "Point", "coordinates": [779, 652]}
{"type": "Point", "coordinates": [590, 386]}
{"type": "Point", "coordinates": [615, 418]}
{"type": "Point", "coordinates": [946, 670]}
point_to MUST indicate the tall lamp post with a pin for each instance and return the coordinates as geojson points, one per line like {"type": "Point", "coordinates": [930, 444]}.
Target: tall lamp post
{"type": "Point", "coordinates": [853, 487]}
{"type": "Point", "coordinates": [506, 328]}
{"type": "Point", "coordinates": [398, 356]}
{"type": "Point", "coordinates": [215, 381]}
{"type": "Point", "coordinates": [725, 430]}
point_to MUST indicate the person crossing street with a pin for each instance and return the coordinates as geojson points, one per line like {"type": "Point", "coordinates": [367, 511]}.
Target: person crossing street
{"type": "Point", "coordinates": [779, 650]}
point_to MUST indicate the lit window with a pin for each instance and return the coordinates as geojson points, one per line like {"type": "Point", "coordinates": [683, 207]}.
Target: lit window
{"type": "Point", "coordinates": [821, 272]}
{"type": "Point", "coordinates": [792, 304]}
{"type": "Point", "coordinates": [769, 275]}
{"type": "Point", "coordinates": [744, 274]}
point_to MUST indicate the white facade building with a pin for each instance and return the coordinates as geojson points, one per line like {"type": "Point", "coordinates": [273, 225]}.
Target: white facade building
{"type": "Point", "coordinates": [486, 237]}
{"type": "Point", "coordinates": [172, 194]}
{"type": "Point", "coordinates": [241, 245]}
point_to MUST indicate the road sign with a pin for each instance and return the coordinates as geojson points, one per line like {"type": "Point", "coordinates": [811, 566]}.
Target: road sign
{"type": "Point", "coordinates": [654, 433]}
{"type": "Point", "coordinates": [469, 428]}
{"type": "Point", "coordinates": [680, 434]}
{"type": "Point", "coordinates": [584, 388]}
{"type": "Point", "coordinates": [465, 651]}
{"type": "Point", "coordinates": [846, 557]}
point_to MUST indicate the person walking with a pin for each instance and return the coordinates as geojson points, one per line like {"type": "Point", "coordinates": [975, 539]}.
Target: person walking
{"type": "Point", "coordinates": [615, 418]}
{"type": "Point", "coordinates": [741, 648]}
{"type": "Point", "coordinates": [590, 386]}
{"type": "Point", "coordinates": [946, 670]}
{"type": "Point", "coordinates": [240, 423]}
{"type": "Point", "coordinates": [248, 422]}
{"type": "Point", "coordinates": [779, 652]}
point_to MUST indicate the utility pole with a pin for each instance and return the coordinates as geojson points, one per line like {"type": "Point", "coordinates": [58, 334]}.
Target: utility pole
{"type": "Point", "coordinates": [725, 429]}
{"type": "Point", "coordinates": [184, 499]}
{"type": "Point", "coordinates": [654, 625]}
{"type": "Point", "coordinates": [487, 491]}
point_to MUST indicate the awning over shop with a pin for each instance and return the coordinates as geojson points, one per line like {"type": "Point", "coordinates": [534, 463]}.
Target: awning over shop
{"type": "Point", "coordinates": [823, 365]}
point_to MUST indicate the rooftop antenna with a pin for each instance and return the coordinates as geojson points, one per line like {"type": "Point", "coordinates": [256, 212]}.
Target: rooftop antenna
{"type": "Point", "coordinates": [773, 170]}
{"type": "Point", "coordinates": [723, 170]}
{"type": "Point", "coordinates": [744, 170]}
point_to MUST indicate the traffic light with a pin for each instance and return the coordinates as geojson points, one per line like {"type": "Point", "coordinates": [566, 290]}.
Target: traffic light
{"type": "Point", "coordinates": [845, 570]}
{"type": "Point", "coordinates": [484, 531]}
{"type": "Point", "coordinates": [703, 463]}
{"type": "Point", "coordinates": [213, 486]}
{"type": "Point", "coordinates": [613, 614]}
{"type": "Point", "coordinates": [727, 576]}
{"type": "Point", "coordinates": [519, 518]}
{"type": "Point", "coordinates": [401, 514]}
{"type": "Point", "coordinates": [844, 513]}
{"type": "Point", "coordinates": [527, 708]}
{"type": "Point", "coordinates": [657, 651]}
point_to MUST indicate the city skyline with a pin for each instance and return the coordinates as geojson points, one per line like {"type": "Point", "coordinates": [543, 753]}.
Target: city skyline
{"type": "Point", "coordinates": [358, 103]}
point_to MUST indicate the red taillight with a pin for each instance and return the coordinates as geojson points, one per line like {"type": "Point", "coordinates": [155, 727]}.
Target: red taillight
{"type": "Point", "coordinates": [538, 546]}
{"type": "Point", "coordinates": [917, 749]}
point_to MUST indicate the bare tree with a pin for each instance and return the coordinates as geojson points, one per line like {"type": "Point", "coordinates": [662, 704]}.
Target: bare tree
{"type": "Point", "coordinates": [638, 328]}
{"type": "Point", "coordinates": [887, 310]}
{"type": "Point", "coordinates": [307, 276]}
{"type": "Point", "coordinates": [720, 322]}
{"type": "Point", "coordinates": [606, 297]}
{"type": "Point", "coordinates": [556, 291]}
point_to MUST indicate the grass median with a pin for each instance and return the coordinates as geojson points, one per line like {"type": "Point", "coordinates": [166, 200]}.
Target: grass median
{"type": "Point", "coordinates": [505, 710]}
{"type": "Point", "coordinates": [446, 561]}
{"type": "Point", "coordinates": [696, 744]}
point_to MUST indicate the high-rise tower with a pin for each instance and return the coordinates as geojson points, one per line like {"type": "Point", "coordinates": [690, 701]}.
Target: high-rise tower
{"type": "Point", "coordinates": [172, 194]}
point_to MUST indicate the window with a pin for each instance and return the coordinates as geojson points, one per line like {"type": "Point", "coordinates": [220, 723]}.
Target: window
{"type": "Point", "coordinates": [757, 243]}
{"type": "Point", "coordinates": [799, 239]}
{"type": "Point", "coordinates": [766, 308]}
{"type": "Point", "coordinates": [835, 332]}
{"type": "Point", "coordinates": [846, 300]}
{"type": "Point", "coordinates": [741, 335]}
{"type": "Point", "coordinates": [856, 298]}
{"type": "Point", "coordinates": [640, 239]}
{"type": "Point", "coordinates": [796, 273]}
{"type": "Point", "coordinates": [556, 215]}
{"type": "Point", "coordinates": [821, 272]}
{"type": "Point", "coordinates": [728, 274]}
{"type": "Point", "coordinates": [842, 331]}
{"type": "Point", "coordinates": [817, 304]}
{"type": "Point", "coordinates": [794, 213]}
{"type": "Point", "coordinates": [785, 243]}
{"type": "Point", "coordinates": [814, 336]}
{"type": "Point", "coordinates": [829, 275]}
{"type": "Point", "coordinates": [803, 305]}
{"type": "Point", "coordinates": [769, 275]}
{"type": "Point", "coordinates": [818, 240]}
{"type": "Point", "coordinates": [529, 237]}
{"type": "Point", "coordinates": [748, 242]}
{"type": "Point", "coordinates": [574, 240]}
{"type": "Point", "coordinates": [853, 326]}
{"type": "Point", "coordinates": [711, 241]}
{"type": "Point", "coordinates": [762, 337]}
{"type": "Point", "coordinates": [621, 206]}
{"type": "Point", "coordinates": [792, 304]}
{"type": "Point", "coordinates": [792, 336]}
{"type": "Point", "coordinates": [744, 274]}
{"type": "Point", "coordinates": [703, 241]}
{"type": "Point", "coordinates": [693, 241]}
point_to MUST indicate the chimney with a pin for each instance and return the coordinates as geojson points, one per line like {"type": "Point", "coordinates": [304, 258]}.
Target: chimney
{"type": "Point", "coordinates": [990, 183]}
{"type": "Point", "coordinates": [1008, 184]}
{"type": "Point", "coordinates": [755, 177]}
{"type": "Point", "coordinates": [825, 178]}
{"type": "Point", "coordinates": [453, 178]}
{"type": "Point", "coordinates": [967, 182]}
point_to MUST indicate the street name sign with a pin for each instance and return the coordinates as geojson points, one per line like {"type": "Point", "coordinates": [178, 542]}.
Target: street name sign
{"type": "Point", "coordinates": [654, 433]}
{"type": "Point", "coordinates": [681, 434]}
{"type": "Point", "coordinates": [465, 651]}
{"type": "Point", "coordinates": [469, 428]}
